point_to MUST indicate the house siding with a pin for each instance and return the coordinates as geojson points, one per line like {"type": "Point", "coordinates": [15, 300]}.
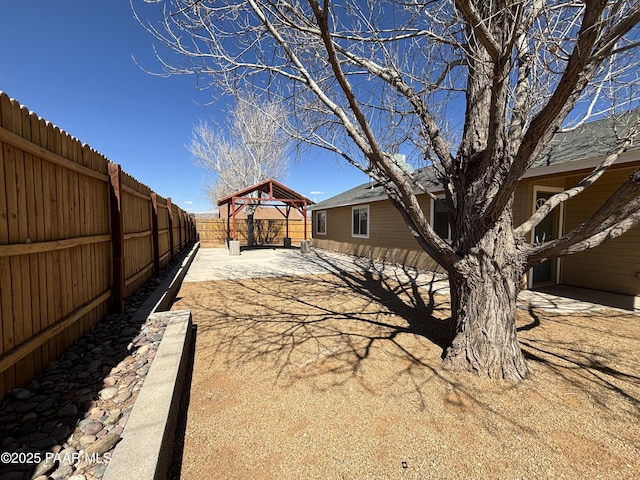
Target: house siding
{"type": "Point", "coordinates": [614, 265]}
{"type": "Point", "coordinates": [389, 237]}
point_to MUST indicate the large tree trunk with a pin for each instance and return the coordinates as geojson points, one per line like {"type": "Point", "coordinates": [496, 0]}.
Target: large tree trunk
{"type": "Point", "coordinates": [484, 290]}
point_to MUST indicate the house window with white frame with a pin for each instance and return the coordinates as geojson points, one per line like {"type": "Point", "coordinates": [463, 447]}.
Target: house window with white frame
{"type": "Point", "coordinates": [360, 223]}
{"type": "Point", "coordinates": [440, 219]}
{"type": "Point", "coordinates": [321, 222]}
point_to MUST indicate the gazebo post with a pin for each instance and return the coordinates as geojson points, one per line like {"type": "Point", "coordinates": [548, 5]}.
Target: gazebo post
{"type": "Point", "coordinates": [305, 247]}
{"type": "Point", "coordinates": [287, 238]}
{"type": "Point", "coordinates": [276, 192]}
{"type": "Point", "coordinates": [233, 218]}
{"type": "Point", "coordinates": [228, 224]}
{"type": "Point", "coordinates": [234, 245]}
{"type": "Point", "coordinates": [304, 218]}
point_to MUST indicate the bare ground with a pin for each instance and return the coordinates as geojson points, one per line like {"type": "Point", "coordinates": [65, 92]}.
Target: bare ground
{"type": "Point", "coordinates": [339, 377]}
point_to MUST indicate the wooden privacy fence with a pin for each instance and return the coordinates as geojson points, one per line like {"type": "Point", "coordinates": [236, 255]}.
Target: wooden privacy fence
{"type": "Point", "coordinates": [213, 231]}
{"type": "Point", "coordinates": [77, 236]}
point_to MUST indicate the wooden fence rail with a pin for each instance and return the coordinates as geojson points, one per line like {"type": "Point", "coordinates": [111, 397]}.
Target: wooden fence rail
{"type": "Point", "coordinates": [77, 237]}
{"type": "Point", "coordinates": [213, 231]}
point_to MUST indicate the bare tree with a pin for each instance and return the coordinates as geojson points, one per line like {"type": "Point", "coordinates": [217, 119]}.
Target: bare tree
{"type": "Point", "coordinates": [476, 88]}
{"type": "Point", "coordinates": [250, 147]}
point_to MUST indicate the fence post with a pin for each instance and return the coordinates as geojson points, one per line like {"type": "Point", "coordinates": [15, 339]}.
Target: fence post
{"type": "Point", "coordinates": [155, 234]}
{"type": "Point", "coordinates": [117, 237]}
{"type": "Point", "coordinates": [170, 210]}
{"type": "Point", "coordinates": [180, 226]}
{"type": "Point", "coordinates": [194, 230]}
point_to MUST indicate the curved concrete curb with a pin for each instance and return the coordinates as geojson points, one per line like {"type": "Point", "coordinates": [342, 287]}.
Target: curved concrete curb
{"type": "Point", "coordinates": [145, 449]}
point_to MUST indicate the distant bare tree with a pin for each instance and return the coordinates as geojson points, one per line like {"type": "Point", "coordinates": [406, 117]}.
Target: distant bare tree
{"type": "Point", "coordinates": [250, 147]}
{"type": "Point", "coordinates": [476, 88]}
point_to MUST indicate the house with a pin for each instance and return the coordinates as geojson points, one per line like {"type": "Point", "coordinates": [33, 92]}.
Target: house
{"type": "Point", "coordinates": [362, 221]}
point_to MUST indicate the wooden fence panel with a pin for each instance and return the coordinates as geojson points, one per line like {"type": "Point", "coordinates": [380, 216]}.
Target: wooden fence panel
{"type": "Point", "coordinates": [175, 230]}
{"type": "Point", "coordinates": [213, 231]}
{"type": "Point", "coordinates": [56, 254]}
{"type": "Point", "coordinates": [138, 234]}
{"type": "Point", "coordinates": [163, 232]}
{"type": "Point", "coordinates": [43, 256]}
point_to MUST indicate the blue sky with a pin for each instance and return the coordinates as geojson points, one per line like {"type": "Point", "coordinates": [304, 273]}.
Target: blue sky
{"type": "Point", "coordinates": [70, 62]}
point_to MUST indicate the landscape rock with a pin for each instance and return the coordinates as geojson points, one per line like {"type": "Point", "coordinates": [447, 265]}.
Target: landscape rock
{"type": "Point", "coordinates": [60, 433]}
{"type": "Point", "coordinates": [108, 393]}
{"type": "Point", "coordinates": [63, 471]}
{"type": "Point", "coordinates": [93, 428]}
{"type": "Point", "coordinates": [82, 400]}
{"type": "Point", "coordinates": [121, 397]}
{"type": "Point", "coordinates": [44, 467]}
{"type": "Point", "coordinates": [44, 443]}
{"type": "Point", "coordinates": [86, 440]}
{"type": "Point", "coordinates": [69, 410]}
{"type": "Point", "coordinates": [21, 394]}
{"type": "Point", "coordinates": [103, 445]}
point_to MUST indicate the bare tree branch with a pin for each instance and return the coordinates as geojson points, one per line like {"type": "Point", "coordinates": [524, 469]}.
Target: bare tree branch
{"type": "Point", "coordinates": [475, 90]}
{"type": "Point", "coordinates": [250, 148]}
{"type": "Point", "coordinates": [613, 213]}
{"type": "Point", "coordinates": [587, 181]}
{"type": "Point", "coordinates": [479, 27]}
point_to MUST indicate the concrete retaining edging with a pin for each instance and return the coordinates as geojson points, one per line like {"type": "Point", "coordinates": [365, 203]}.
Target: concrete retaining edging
{"type": "Point", "coordinates": [144, 453]}
{"type": "Point", "coordinates": [145, 450]}
{"type": "Point", "coordinates": [162, 297]}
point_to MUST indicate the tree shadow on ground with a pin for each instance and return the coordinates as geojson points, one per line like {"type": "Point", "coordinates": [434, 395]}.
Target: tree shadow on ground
{"type": "Point", "coordinates": [403, 291]}
{"type": "Point", "coordinates": [324, 326]}
{"type": "Point", "coordinates": [385, 331]}
{"type": "Point", "coordinates": [587, 351]}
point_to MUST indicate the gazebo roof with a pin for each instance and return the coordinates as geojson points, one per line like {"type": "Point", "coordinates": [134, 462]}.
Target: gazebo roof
{"type": "Point", "coordinates": [271, 191]}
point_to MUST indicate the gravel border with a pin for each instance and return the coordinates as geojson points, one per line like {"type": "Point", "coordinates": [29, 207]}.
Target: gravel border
{"type": "Point", "coordinates": [66, 422]}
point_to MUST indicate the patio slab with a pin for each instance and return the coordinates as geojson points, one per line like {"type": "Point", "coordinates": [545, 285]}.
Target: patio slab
{"type": "Point", "coordinates": [214, 264]}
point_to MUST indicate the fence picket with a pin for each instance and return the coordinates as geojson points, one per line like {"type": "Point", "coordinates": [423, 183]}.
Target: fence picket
{"type": "Point", "coordinates": [55, 240]}
{"type": "Point", "coordinates": [213, 231]}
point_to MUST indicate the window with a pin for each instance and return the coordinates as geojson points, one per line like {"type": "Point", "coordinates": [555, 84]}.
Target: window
{"type": "Point", "coordinates": [360, 225]}
{"type": "Point", "coordinates": [440, 219]}
{"type": "Point", "coordinates": [321, 222]}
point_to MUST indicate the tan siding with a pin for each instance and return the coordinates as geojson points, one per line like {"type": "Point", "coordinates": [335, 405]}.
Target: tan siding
{"type": "Point", "coordinates": [389, 237]}
{"type": "Point", "coordinates": [520, 203]}
{"type": "Point", "coordinates": [612, 266]}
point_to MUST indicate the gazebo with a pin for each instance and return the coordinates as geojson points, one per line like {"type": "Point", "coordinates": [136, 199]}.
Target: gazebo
{"type": "Point", "coordinates": [266, 193]}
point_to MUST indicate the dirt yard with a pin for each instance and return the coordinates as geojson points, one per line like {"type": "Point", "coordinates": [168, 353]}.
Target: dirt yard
{"type": "Point", "coordinates": [339, 377]}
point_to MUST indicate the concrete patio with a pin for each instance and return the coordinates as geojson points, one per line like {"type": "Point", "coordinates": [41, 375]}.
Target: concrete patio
{"type": "Point", "coordinates": [212, 264]}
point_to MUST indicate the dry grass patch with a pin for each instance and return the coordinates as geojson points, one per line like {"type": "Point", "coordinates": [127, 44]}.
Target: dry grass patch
{"type": "Point", "coordinates": [332, 377]}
